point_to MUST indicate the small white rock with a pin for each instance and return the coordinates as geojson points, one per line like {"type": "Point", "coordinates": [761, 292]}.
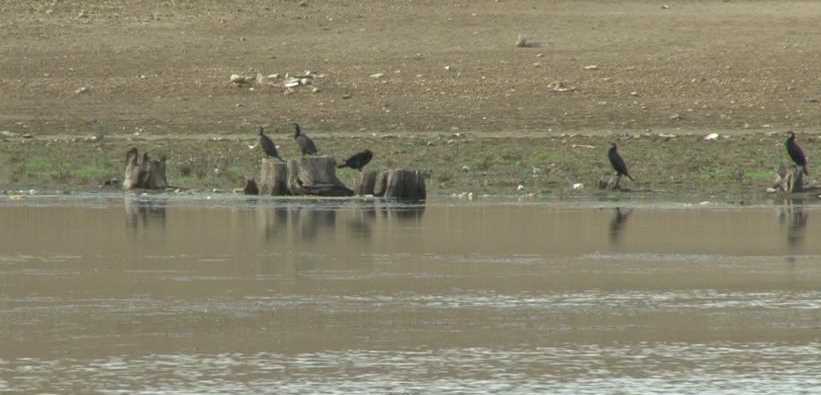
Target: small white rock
{"type": "Point", "coordinates": [520, 188]}
{"type": "Point", "coordinates": [711, 136]}
{"type": "Point", "coordinates": [578, 186]}
{"type": "Point", "coordinates": [81, 90]}
{"type": "Point", "coordinates": [465, 168]}
{"type": "Point", "coordinates": [377, 75]}
{"type": "Point", "coordinates": [773, 190]}
{"type": "Point", "coordinates": [591, 67]}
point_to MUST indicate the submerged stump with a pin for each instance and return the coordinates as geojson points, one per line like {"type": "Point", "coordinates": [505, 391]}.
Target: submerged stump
{"type": "Point", "coordinates": [403, 184]}
{"type": "Point", "coordinates": [142, 172]}
{"type": "Point", "coordinates": [367, 182]}
{"type": "Point", "coordinates": [380, 184]}
{"type": "Point", "coordinates": [273, 177]}
{"type": "Point", "coordinates": [251, 187]}
{"type": "Point", "coordinates": [610, 183]}
{"type": "Point", "coordinates": [789, 179]}
{"type": "Point", "coordinates": [315, 175]}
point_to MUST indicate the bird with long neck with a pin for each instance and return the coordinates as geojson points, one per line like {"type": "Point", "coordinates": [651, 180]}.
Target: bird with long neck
{"type": "Point", "coordinates": [796, 154]}
{"type": "Point", "coordinates": [617, 162]}
{"type": "Point", "coordinates": [306, 145]}
{"type": "Point", "coordinates": [267, 145]}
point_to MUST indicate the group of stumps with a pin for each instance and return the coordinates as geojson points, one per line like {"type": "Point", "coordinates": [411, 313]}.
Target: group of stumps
{"type": "Point", "coordinates": [316, 175]}
{"type": "Point", "coordinates": [311, 174]}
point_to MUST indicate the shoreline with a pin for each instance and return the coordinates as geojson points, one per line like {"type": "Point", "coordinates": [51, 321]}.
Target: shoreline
{"type": "Point", "coordinates": [739, 165]}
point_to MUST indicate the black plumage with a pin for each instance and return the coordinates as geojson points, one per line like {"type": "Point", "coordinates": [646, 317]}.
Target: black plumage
{"type": "Point", "coordinates": [796, 153]}
{"type": "Point", "coordinates": [267, 145]}
{"type": "Point", "coordinates": [358, 161]}
{"type": "Point", "coordinates": [306, 145]}
{"type": "Point", "coordinates": [617, 162]}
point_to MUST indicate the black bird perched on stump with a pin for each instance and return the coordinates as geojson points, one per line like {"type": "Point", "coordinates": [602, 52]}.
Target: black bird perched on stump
{"type": "Point", "coordinates": [306, 145]}
{"type": "Point", "coordinates": [796, 153]}
{"type": "Point", "coordinates": [358, 161]}
{"type": "Point", "coordinates": [268, 145]}
{"type": "Point", "coordinates": [617, 162]}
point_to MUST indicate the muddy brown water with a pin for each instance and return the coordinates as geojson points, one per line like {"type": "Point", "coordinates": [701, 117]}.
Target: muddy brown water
{"type": "Point", "coordinates": [163, 295]}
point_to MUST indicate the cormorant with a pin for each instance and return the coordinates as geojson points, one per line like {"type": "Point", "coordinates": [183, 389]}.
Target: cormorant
{"type": "Point", "coordinates": [796, 153]}
{"type": "Point", "coordinates": [358, 161]}
{"type": "Point", "coordinates": [267, 145]}
{"type": "Point", "coordinates": [306, 145]}
{"type": "Point", "coordinates": [617, 162]}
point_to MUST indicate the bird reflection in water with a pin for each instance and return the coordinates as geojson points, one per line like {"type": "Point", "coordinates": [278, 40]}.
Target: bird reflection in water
{"type": "Point", "coordinates": [793, 215]}
{"type": "Point", "coordinates": [617, 223]}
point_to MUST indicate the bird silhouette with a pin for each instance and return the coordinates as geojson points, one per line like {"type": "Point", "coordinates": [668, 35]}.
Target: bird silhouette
{"type": "Point", "coordinates": [306, 145]}
{"type": "Point", "coordinates": [796, 154]}
{"type": "Point", "coordinates": [267, 145]}
{"type": "Point", "coordinates": [358, 161]}
{"type": "Point", "coordinates": [617, 162]}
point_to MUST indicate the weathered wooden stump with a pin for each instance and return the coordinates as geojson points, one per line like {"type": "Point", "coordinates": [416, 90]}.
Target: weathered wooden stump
{"type": "Point", "coordinates": [403, 184]}
{"type": "Point", "coordinates": [251, 187]}
{"type": "Point", "coordinates": [610, 183]}
{"type": "Point", "coordinates": [380, 184]}
{"type": "Point", "coordinates": [141, 172]}
{"type": "Point", "coordinates": [367, 182]}
{"type": "Point", "coordinates": [315, 175]}
{"type": "Point", "coordinates": [273, 177]}
{"type": "Point", "coordinates": [789, 179]}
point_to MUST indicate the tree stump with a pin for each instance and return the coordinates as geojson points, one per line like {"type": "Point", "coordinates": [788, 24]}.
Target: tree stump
{"type": "Point", "coordinates": [315, 175]}
{"type": "Point", "coordinates": [789, 179]}
{"type": "Point", "coordinates": [381, 184]}
{"type": "Point", "coordinates": [611, 183]}
{"type": "Point", "coordinates": [251, 187]}
{"type": "Point", "coordinates": [273, 177]}
{"type": "Point", "coordinates": [141, 172]}
{"type": "Point", "coordinates": [367, 182]}
{"type": "Point", "coordinates": [405, 184]}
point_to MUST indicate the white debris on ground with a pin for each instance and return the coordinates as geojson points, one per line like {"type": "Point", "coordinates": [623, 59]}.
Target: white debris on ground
{"type": "Point", "coordinates": [290, 82]}
{"type": "Point", "coordinates": [711, 136]}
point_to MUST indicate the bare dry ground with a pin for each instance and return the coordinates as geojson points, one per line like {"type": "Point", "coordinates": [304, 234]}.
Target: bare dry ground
{"type": "Point", "coordinates": [161, 69]}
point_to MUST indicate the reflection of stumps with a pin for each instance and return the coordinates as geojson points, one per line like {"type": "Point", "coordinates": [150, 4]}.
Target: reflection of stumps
{"type": "Point", "coordinates": [141, 172]}
{"type": "Point", "coordinates": [405, 185]}
{"type": "Point", "coordinates": [273, 177]}
{"type": "Point", "coordinates": [367, 181]}
{"type": "Point", "coordinates": [789, 179]}
{"type": "Point", "coordinates": [315, 175]}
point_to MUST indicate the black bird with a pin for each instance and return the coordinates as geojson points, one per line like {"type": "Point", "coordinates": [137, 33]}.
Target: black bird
{"type": "Point", "coordinates": [306, 145]}
{"type": "Point", "coordinates": [268, 145]}
{"type": "Point", "coordinates": [796, 153]}
{"type": "Point", "coordinates": [617, 162]}
{"type": "Point", "coordinates": [358, 161]}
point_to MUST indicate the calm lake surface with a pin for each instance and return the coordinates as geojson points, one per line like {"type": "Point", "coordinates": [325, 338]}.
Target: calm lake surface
{"type": "Point", "coordinates": [167, 295]}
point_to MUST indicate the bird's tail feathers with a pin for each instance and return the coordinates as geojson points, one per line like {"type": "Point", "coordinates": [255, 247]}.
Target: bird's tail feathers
{"type": "Point", "coordinates": [344, 165]}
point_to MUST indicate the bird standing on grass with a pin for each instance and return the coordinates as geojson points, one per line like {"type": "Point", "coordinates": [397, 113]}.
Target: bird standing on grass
{"type": "Point", "coordinates": [306, 145]}
{"type": "Point", "coordinates": [268, 145]}
{"type": "Point", "coordinates": [796, 154]}
{"type": "Point", "coordinates": [358, 161]}
{"type": "Point", "coordinates": [617, 162]}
